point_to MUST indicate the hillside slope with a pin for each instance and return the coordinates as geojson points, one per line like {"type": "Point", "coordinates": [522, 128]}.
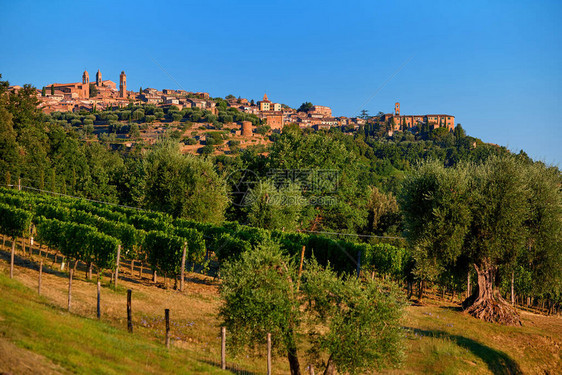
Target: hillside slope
{"type": "Point", "coordinates": [38, 335]}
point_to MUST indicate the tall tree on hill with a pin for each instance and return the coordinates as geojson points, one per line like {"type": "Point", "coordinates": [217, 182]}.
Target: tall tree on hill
{"type": "Point", "coordinates": [93, 90]}
{"type": "Point", "coordinates": [305, 107]}
{"type": "Point", "coordinates": [9, 148]}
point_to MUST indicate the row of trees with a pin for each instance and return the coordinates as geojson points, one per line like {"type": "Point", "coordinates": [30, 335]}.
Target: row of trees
{"type": "Point", "coordinates": [227, 240]}
{"type": "Point", "coordinates": [85, 232]}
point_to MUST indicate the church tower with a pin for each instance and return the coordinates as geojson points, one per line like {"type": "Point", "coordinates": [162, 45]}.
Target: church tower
{"type": "Point", "coordinates": [122, 85]}
{"type": "Point", "coordinates": [397, 109]}
{"type": "Point", "coordinates": [85, 78]}
{"type": "Point", "coordinates": [98, 78]}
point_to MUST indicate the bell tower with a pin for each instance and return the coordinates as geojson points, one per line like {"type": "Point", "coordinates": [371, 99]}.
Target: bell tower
{"type": "Point", "coordinates": [122, 85]}
{"type": "Point", "coordinates": [85, 78]}
{"type": "Point", "coordinates": [397, 109]}
{"type": "Point", "coordinates": [98, 78]}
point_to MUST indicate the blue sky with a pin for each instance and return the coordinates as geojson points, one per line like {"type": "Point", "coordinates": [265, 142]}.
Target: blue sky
{"type": "Point", "coordinates": [495, 65]}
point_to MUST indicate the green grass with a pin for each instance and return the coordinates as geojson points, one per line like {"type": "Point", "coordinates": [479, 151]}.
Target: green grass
{"type": "Point", "coordinates": [439, 338]}
{"type": "Point", "coordinates": [83, 345]}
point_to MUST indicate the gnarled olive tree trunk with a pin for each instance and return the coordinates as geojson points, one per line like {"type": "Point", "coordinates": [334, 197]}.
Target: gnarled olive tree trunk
{"type": "Point", "coordinates": [487, 303]}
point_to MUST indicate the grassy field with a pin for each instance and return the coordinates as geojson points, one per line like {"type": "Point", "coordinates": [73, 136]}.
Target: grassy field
{"type": "Point", "coordinates": [38, 335]}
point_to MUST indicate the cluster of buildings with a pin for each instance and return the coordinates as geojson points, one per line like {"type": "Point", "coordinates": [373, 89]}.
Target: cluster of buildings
{"type": "Point", "coordinates": [277, 115]}
{"type": "Point", "coordinates": [101, 93]}
{"type": "Point", "coordinates": [84, 95]}
{"type": "Point", "coordinates": [399, 122]}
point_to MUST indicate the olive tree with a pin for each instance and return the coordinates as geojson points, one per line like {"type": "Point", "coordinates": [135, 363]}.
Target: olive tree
{"type": "Point", "coordinates": [490, 215]}
{"type": "Point", "coordinates": [353, 325]}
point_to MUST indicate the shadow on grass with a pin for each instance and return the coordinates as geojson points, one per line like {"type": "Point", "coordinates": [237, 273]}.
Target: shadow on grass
{"type": "Point", "coordinates": [497, 361]}
{"type": "Point", "coordinates": [231, 367]}
{"type": "Point", "coordinates": [452, 308]}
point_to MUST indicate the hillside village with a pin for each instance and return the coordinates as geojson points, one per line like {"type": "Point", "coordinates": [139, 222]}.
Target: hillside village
{"type": "Point", "coordinates": [240, 121]}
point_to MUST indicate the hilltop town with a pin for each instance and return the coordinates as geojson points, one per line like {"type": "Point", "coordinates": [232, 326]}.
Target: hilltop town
{"type": "Point", "coordinates": [235, 112]}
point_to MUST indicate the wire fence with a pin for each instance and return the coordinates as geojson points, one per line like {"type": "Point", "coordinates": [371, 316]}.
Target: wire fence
{"type": "Point", "coordinates": [152, 320]}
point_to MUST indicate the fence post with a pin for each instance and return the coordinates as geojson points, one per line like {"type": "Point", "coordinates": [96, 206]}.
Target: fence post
{"type": "Point", "coordinates": [117, 265]}
{"type": "Point", "coordinates": [167, 316]}
{"type": "Point", "coordinates": [12, 258]}
{"type": "Point", "coordinates": [40, 275]}
{"type": "Point", "coordinates": [129, 317]}
{"type": "Point", "coordinates": [269, 354]}
{"type": "Point", "coordinates": [223, 348]}
{"type": "Point", "coordinates": [70, 272]}
{"type": "Point", "coordinates": [183, 265]}
{"type": "Point", "coordinates": [19, 184]}
{"type": "Point", "coordinates": [99, 300]}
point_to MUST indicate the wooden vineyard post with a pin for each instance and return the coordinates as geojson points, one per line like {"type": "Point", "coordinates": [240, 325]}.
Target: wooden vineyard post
{"type": "Point", "coordinates": [23, 245]}
{"type": "Point", "coordinates": [300, 268]}
{"type": "Point", "coordinates": [12, 258]}
{"type": "Point", "coordinates": [269, 354]}
{"type": "Point", "coordinates": [140, 269]}
{"type": "Point", "coordinates": [99, 300]}
{"type": "Point", "coordinates": [70, 272]}
{"type": "Point", "coordinates": [154, 276]}
{"type": "Point", "coordinates": [117, 265]}
{"type": "Point", "coordinates": [132, 266]}
{"type": "Point", "coordinates": [223, 348]}
{"type": "Point", "coordinates": [167, 317]}
{"type": "Point", "coordinates": [40, 276]}
{"type": "Point", "coordinates": [183, 265]}
{"type": "Point", "coordinates": [129, 312]}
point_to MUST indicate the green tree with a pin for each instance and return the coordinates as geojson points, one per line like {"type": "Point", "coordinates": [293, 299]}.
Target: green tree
{"type": "Point", "coordinates": [272, 207]}
{"type": "Point", "coordinates": [52, 90]}
{"type": "Point", "coordinates": [484, 213]}
{"type": "Point", "coordinates": [354, 327]}
{"type": "Point", "coordinates": [43, 91]}
{"type": "Point", "coordinates": [459, 132]}
{"type": "Point", "coordinates": [305, 107]}
{"type": "Point", "coordinates": [93, 90]}
{"type": "Point", "coordinates": [183, 185]}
